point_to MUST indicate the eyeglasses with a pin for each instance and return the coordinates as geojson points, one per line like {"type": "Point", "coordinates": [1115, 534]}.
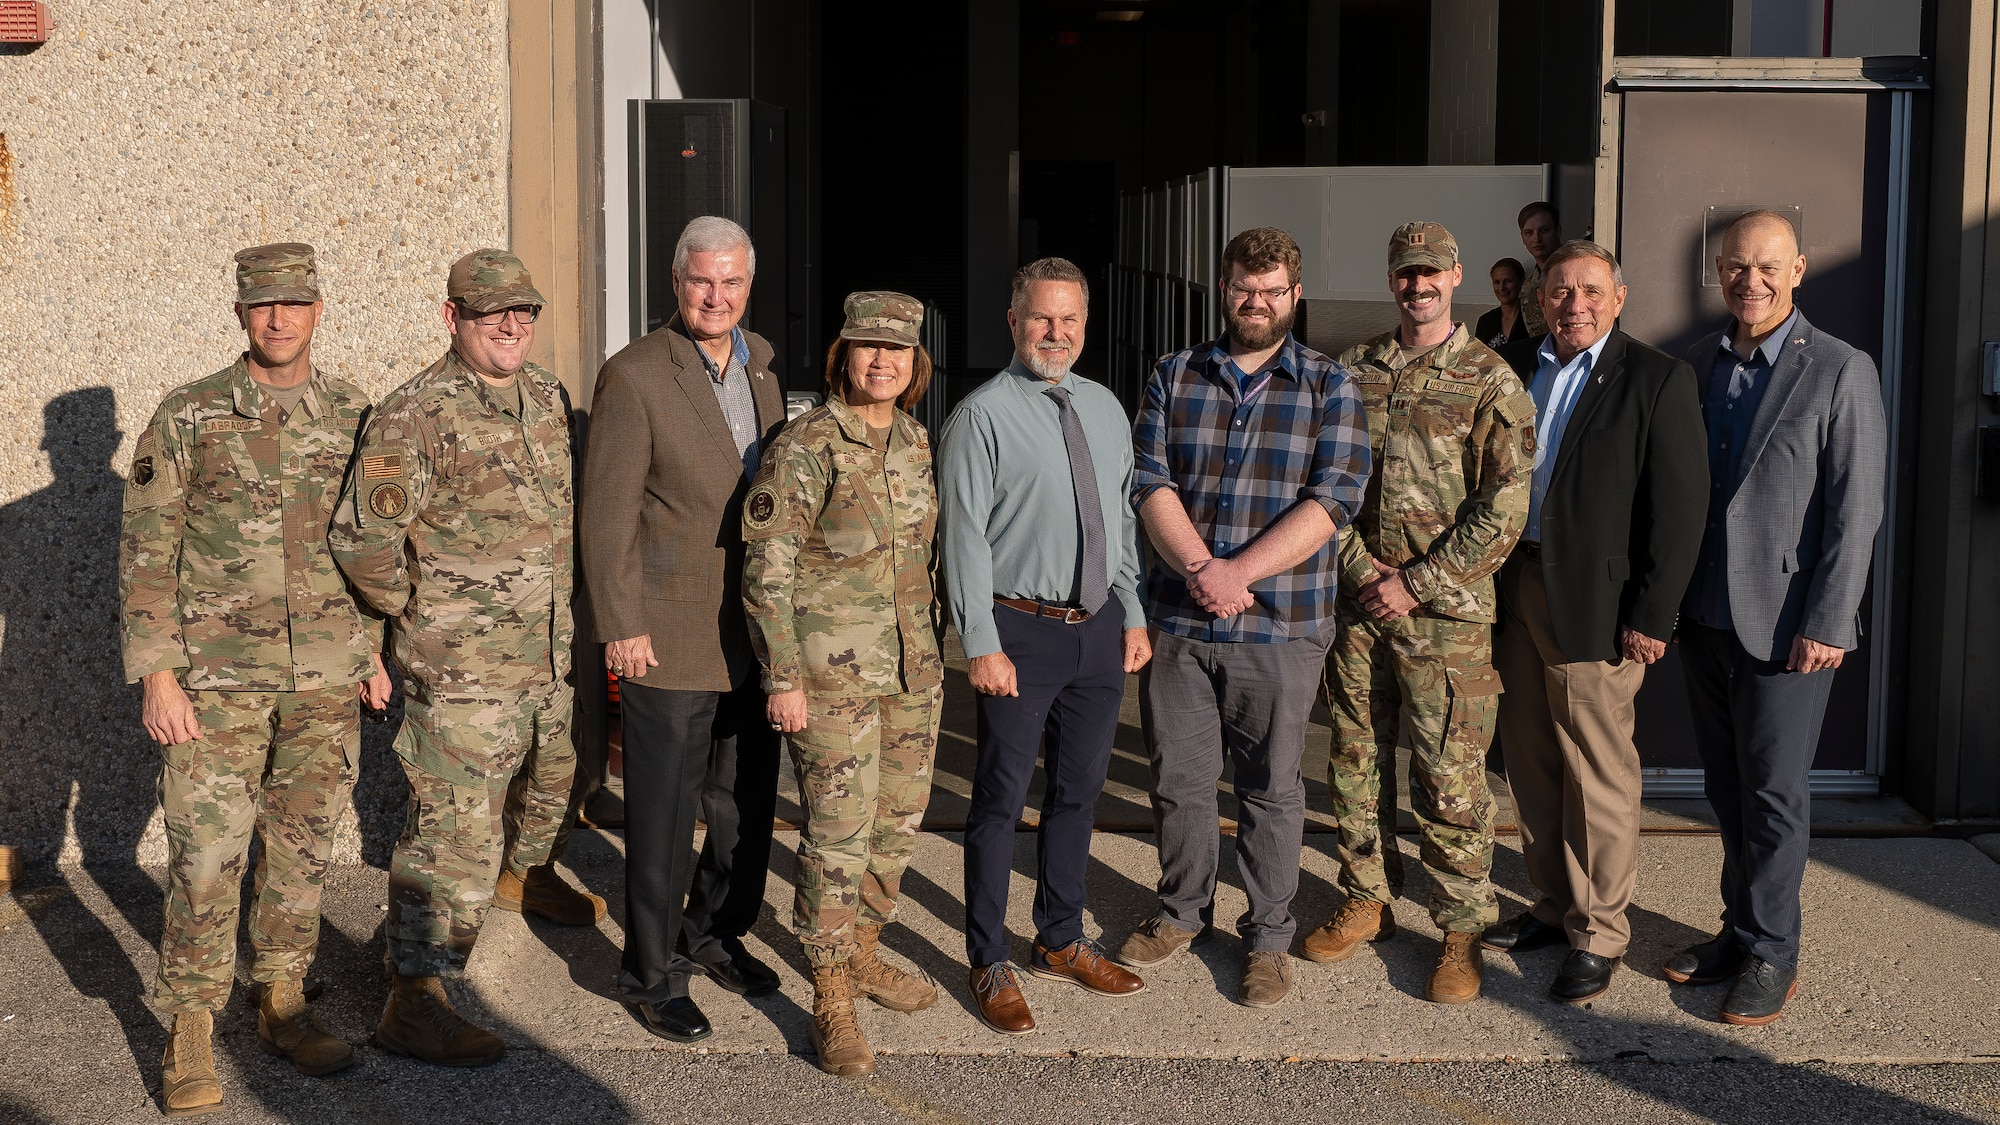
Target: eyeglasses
{"type": "Point", "coordinates": [522, 314]}
{"type": "Point", "coordinates": [1239, 294]}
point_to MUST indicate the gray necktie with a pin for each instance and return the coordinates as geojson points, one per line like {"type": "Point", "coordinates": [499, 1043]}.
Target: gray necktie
{"type": "Point", "coordinates": [1092, 584]}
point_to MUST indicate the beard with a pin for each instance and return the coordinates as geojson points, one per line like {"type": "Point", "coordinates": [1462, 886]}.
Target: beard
{"type": "Point", "coordinates": [1049, 369]}
{"type": "Point", "coordinates": [1257, 335]}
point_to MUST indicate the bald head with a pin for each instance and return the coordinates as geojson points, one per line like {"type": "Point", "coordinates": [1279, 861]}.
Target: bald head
{"type": "Point", "coordinates": [1759, 266]}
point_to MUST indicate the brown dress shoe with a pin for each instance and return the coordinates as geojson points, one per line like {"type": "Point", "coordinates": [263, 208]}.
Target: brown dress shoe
{"type": "Point", "coordinates": [188, 1086]}
{"type": "Point", "coordinates": [287, 1027]}
{"type": "Point", "coordinates": [1082, 963]}
{"type": "Point", "coordinates": [997, 999]}
{"type": "Point", "coordinates": [838, 1045]}
{"type": "Point", "coordinates": [419, 1021]}
{"type": "Point", "coordinates": [547, 895]}
{"type": "Point", "coordinates": [868, 975]}
{"type": "Point", "coordinates": [1357, 920]}
{"type": "Point", "coordinates": [1267, 978]}
{"type": "Point", "coordinates": [1455, 979]}
{"type": "Point", "coordinates": [1153, 943]}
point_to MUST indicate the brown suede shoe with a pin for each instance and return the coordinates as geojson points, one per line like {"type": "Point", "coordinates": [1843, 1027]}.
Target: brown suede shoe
{"type": "Point", "coordinates": [1455, 979]}
{"type": "Point", "coordinates": [1357, 920]}
{"type": "Point", "coordinates": [1082, 963]}
{"type": "Point", "coordinates": [419, 1021]}
{"type": "Point", "coordinates": [1267, 978]}
{"type": "Point", "coordinates": [838, 1045]}
{"type": "Point", "coordinates": [287, 1027]}
{"type": "Point", "coordinates": [547, 895]}
{"type": "Point", "coordinates": [997, 1000]}
{"type": "Point", "coordinates": [188, 1086]}
{"type": "Point", "coordinates": [1153, 943]}
{"type": "Point", "coordinates": [868, 975]}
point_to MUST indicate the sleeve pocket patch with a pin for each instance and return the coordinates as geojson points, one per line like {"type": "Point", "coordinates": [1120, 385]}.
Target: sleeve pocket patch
{"type": "Point", "coordinates": [154, 479]}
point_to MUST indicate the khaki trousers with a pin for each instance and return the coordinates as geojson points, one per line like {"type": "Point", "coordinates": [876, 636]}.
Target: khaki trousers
{"type": "Point", "coordinates": [1566, 734]}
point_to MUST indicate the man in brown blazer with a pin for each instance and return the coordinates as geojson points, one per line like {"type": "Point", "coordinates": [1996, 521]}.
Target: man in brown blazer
{"type": "Point", "coordinates": [677, 425]}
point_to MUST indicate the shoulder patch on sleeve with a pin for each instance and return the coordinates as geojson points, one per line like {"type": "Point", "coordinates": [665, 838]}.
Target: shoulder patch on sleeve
{"type": "Point", "coordinates": [1516, 409]}
{"type": "Point", "coordinates": [388, 500]}
{"type": "Point", "coordinates": [154, 479]}
{"type": "Point", "coordinates": [761, 512]}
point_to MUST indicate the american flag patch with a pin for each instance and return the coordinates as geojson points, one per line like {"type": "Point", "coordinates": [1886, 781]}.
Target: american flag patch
{"type": "Point", "coordinates": [382, 465]}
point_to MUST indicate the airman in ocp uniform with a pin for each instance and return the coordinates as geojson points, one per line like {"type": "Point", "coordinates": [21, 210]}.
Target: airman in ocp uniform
{"type": "Point", "coordinates": [457, 522]}
{"type": "Point", "coordinates": [1453, 439]}
{"type": "Point", "coordinates": [838, 588]}
{"type": "Point", "coordinates": [249, 645]}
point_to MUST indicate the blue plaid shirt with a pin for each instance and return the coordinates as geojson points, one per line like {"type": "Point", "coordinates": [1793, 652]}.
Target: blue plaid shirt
{"type": "Point", "coordinates": [1239, 465]}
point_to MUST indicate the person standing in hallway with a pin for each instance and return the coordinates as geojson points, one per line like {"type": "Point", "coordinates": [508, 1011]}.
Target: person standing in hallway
{"type": "Point", "coordinates": [1588, 599]}
{"type": "Point", "coordinates": [1505, 324]}
{"type": "Point", "coordinates": [1252, 454]}
{"type": "Point", "coordinates": [1797, 463]}
{"type": "Point", "coordinates": [837, 585]}
{"type": "Point", "coordinates": [1041, 554]}
{"type": "Point", "coordinates": [677, 427]}
{"type": "Point", "coordinates": [1541, 233]}
{"type": "Point", "coordinates": [1452, 436]}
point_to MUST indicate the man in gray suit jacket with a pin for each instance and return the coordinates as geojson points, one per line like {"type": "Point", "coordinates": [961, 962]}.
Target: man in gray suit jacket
{"type": "Point", "coordinates": [1797, 460]}
{"type": "Point", "coordinates": [676, 426]}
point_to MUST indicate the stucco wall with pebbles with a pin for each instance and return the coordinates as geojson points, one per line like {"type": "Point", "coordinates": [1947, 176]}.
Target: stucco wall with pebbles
{"type": "Point", "coordinates": [143, 145]}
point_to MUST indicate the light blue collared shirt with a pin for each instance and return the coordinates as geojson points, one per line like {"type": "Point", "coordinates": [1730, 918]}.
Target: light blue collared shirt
{"type": "Point", "coordinates": [1556, 388]}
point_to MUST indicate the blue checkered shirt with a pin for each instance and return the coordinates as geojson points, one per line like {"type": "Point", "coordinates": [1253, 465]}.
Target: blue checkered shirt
{"type": "Point", "coordinates": [1240, 466]}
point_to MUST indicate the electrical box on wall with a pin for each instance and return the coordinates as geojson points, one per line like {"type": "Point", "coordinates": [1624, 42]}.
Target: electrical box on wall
{"type": "Point", "coordinates": [24, 21]}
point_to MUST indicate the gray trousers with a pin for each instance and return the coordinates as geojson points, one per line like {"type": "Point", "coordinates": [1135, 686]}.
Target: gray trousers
{"type": "Point", "coordinates": [1200, 701]}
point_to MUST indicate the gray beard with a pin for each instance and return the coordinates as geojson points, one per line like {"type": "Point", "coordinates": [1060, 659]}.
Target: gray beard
{"type": "Point", "coordinates": [1046, 369]}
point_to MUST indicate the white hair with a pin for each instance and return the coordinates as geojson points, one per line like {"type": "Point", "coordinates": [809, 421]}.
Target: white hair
{"type": "Point", "coordinates": [708, 233]}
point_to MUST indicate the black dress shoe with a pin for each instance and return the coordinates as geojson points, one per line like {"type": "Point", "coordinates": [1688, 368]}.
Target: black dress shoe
{"type": "Point", "coordinates": [1758, 997]}
{"type": "Point", "coordinates": [1711, 962]}
{"type": "Point", "coordinates": [1521, 933]}
{"type": "Point", "coordinates": [1583, 976]}
{"type": "Point", "coordinates": [677, 1019]}
{"type": "Point", "coordinates": [734, 968]}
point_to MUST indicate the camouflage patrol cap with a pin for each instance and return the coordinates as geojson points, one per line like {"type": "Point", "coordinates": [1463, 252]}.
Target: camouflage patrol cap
{"type": "Point", "coordinates": [490, 280]}
{"type": "Point", "coordinates": [282, 271]}
{"type": "Point", "coordinates": [887, 318]}
{"type": "Point", "coordinates": [1422, 244]}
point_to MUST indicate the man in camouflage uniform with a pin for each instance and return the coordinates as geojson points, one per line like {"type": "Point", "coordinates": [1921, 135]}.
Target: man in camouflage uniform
{"type": "Point", "coordinates": [249, 646]}
{"type": "Point", "coordinates": [837, 586]}
{"type": "Point", "coordinates": [1452, 432]}
{"type": "Point", "coordinates": [457, 522]}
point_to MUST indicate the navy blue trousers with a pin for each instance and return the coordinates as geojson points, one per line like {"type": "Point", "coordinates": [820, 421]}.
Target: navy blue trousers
{"type": "Point", "coordinates": [1756, 727]}
{"type": "Point", "coordinates": [1072, 680]}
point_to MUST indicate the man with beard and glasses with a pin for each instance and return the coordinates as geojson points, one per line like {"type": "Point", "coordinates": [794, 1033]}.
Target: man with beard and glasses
{"type": "Point", "coordinates": [1453, 433]}
{"type": "Point", "coordinates": [1041, 554]}
{"type": "Point", "coordinates": [1252, 452]}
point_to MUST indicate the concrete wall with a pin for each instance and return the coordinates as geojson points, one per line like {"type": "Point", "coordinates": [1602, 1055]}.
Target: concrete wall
{"type": "Point", "coordinates": [1465, 67]}
{"type": "Point", "coordinates": [145, 143]}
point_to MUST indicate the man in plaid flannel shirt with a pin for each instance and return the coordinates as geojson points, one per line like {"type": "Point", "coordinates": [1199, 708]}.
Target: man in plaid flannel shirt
{"type": "Point", "coordinates": [1251, 454]}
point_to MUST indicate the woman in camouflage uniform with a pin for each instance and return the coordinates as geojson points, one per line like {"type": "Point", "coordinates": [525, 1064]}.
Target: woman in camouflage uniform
{"type": "Point", "coordinates": [838, 588]}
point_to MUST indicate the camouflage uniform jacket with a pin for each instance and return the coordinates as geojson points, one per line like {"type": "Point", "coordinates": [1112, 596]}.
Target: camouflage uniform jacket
{"type": "Point", "coordinates": [838, 579]}
{"type": "Point", "coordinates": [457, 521]}
{"type": "Point", "coordinates": [1453, 434]}
{"type": "Point", "coordinates": [223, 568]}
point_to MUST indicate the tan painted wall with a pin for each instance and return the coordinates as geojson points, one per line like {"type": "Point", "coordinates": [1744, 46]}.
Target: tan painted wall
{"type": "Point", "coordinates": [148, 141]}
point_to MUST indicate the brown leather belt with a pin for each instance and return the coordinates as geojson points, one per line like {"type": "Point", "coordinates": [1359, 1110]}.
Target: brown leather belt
{"type": "Point", "coordinates": [1529, 548]}
{"type": "Point", "coordinates": [1068, 615]}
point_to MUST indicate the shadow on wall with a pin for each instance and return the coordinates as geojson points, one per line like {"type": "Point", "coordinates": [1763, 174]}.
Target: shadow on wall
{"type": "Point", "coordinates": [69, 724]}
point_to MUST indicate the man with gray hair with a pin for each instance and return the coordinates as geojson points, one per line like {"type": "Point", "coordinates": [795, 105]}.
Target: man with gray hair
{"type": "Point", "coordinates": [1041, 555]}
{"type": "Point", "coordinates": [677, 424]}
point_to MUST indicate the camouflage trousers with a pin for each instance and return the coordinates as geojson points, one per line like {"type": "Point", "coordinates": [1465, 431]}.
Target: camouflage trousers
{"type": "Point", "coordinates": [1429, 683]}
{"type": "Point", "coordinates": [484, 771]}
{"type": "Point", "coordinates": [864, 769]}
{"type": "Point", "coordinates": [276, 763]}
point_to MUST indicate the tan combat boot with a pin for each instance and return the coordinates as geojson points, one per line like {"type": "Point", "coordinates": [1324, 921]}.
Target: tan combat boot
{"type": "Point", "coordinates": [836, 1034]}
{"type": "Point", "coordinates": [420, 1022]}
{"type": "Point", "coordinates": [188, 1085]}
{"type": "Point", "coordinates": [287, 1026]}
{"type": "Point", "coordinates": [1357, 920]}
{"type": "Point", "coordinates": [548, 895]}
{"type": "Point", "coordinates": [1455, 980]}
{"type": "Point", "coordinates": [868, 975]}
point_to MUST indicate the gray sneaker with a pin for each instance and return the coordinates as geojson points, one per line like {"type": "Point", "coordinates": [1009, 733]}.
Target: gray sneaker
{"type": "Point", "coordinates": [1267, 978]}
{"type": "Point", "coordinates": [1153, 943]}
